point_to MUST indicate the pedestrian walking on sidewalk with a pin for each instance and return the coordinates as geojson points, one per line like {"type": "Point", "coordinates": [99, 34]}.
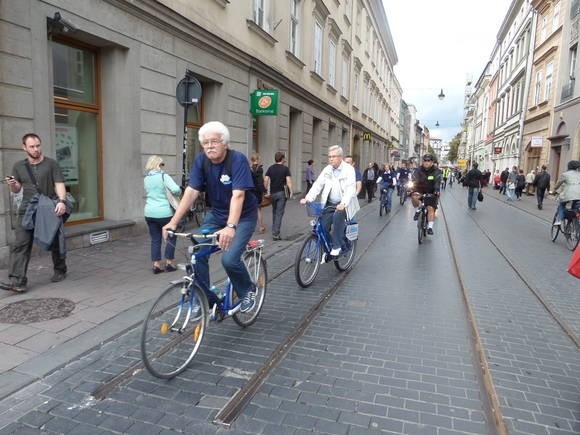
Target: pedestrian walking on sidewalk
{"type": "Point", "coordinates": [369, 180]}
{"type": "Point", "coordinates": [158, 212]}
{"type": "Point", "coordinates": [520, 184]}
{"type": "Point", "coordinates": [278, 184]}
{"type": "Point", "coordinates": [310, 175]}
{"type": "Point", "coordinates": [40, 180]}
{"type": "Point", "coordinates": [511, 184]}
{"type": "Point", "coordinates": [258, 177]}
{"type": "Point", "coordinates": [541, 183]}
{"type": "Point", "coordinates": [530, 182]}
{"type": "Point", "coordinates": [503, 178]}
{"type": "Point", "coordinates": [473, 182]}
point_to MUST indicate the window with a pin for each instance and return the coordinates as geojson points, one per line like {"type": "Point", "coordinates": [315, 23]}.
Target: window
{"type": "Point", "coordinates": [295, 27]}
{"type": "Point", "coordinates": [317, 47]}
{"type": "Point", "coordinates": [77, 113]}
{"type": "Point", "coordinates": [549, 79]}
{"type": "Point", "coordinates": [538, 88]}
{"type": "Point", "coordinates": [556, 19]}
{"type": "Point", "coordinates": [261, 14]}
{"type": "Point", "coordinates": [543, 29]}
{"type": "Point", "coordinates": [573, 55]}
{"type": "Point", "coordinates": [332, 63]}
{"type": "Point", "coordinates": [345, 75]}
{"type": "Point", "coordinates": [355, 88]}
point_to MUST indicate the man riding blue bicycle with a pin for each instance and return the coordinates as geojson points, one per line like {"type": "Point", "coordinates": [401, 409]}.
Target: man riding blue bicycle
{"type": "Point", "coordinates": [337, 186]}
{"type": "Point", "coordinates": [427, 178]}
{"type": "Point", "coordinates": [403, 175]}
{"type": "Point", "coordinates": [387, 182]}
{"type": "Point", "coordinates": [226, 178]}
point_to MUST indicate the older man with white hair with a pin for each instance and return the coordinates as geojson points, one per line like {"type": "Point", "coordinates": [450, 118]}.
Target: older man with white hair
{"type": "Point", "coordinates": [336, 185]}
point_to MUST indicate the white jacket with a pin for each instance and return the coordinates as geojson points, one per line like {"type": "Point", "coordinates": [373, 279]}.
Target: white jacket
{"type": "Point", "coordinates": [347, 181]}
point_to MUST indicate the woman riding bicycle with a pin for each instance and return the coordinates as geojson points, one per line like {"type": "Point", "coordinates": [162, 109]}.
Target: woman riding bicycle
{"type": "Point", "coordinates": [337, 182]}
{"type": "Point", "coordinates": [387, 182]}
{"type": "Point", "coordinates": [569, 189]}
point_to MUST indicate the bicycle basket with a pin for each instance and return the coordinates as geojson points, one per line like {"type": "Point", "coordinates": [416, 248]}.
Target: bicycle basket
{"type": "Point", "coordinates": [314, 209]}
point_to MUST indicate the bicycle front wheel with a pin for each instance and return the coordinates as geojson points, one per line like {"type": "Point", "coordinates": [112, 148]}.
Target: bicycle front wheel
{"type": "Point", "coordinates": [403, 196]}
{"type": "Point", "coordinates": [555, 229]}
{"type": "Point", "coordinates": [346, 258]}
{"type": "Point", "coordinates": [307, 261]}
{"type": "Point", "coordinates": [421, 227]}
{"type": "Point", "coordinates": [256, 266]}
{"type": "Point", "coordinates": [572, 233]}
{"type": "Point", "coordinates": [174, 329]}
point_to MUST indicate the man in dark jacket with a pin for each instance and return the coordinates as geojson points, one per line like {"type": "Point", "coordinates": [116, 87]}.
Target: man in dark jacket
{"type": "Point", "coordinates": [427, 178]}
{"type": "Point", "coordinates": [369, 179]}
{"type": "Point", "coordinates": [503, 178]}
{"type": "Point", "coordinates": [473, 182]}
{"type": "Point", "coordinates": [542, 182]}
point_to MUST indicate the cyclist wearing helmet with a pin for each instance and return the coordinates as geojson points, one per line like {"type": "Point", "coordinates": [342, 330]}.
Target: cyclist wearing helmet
{"type": "Point", "coordinates": [427, 178]}
{"type": "Point", "coordinates": [569, 189]}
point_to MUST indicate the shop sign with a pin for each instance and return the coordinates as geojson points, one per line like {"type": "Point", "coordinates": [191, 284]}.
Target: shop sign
{"type": "Point", "coordinates": [537, 142]}
{"type": "Point", "coordinates": [264, 102]}
{"type": "Point", "coordinates": [367, 136]}
{"type": "Point", "coordinates": [497, 150]}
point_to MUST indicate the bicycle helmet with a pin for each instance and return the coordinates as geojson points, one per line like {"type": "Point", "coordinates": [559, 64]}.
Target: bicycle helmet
{"type": "Point", "coordinates": [573, 165]}
{"type": "Point", "coordinates": [428, 156]}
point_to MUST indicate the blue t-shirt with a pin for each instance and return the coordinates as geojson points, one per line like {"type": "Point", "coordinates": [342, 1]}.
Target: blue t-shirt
{"type": "Point", "coordinates": [357, 174]}
{"type": "Point", "coordinates": [219, 185]}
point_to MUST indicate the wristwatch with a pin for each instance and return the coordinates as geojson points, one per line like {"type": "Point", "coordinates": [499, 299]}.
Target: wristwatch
{"type": "Point", "coordinates": [230, 225]}
{"type": "Point", "coordinates": [62, 201]}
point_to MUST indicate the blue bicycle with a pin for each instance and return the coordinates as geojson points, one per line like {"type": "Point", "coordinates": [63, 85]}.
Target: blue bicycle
{"type": "Point", "coordinates": [316, 248]}
{"type": "Point", "coordinates": [176, 323]}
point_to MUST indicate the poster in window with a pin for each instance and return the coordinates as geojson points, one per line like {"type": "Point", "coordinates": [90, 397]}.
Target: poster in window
{"type": "Point", "coordinates": [67, 153]}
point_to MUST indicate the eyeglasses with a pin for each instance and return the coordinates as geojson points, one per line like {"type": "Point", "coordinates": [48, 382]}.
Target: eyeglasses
{"type": "Point", "coordinates": [333, 156]}
{"type": "Point", "coordinates": [211, 142]}
{"type": "Point", "coordinates": [161, 164]}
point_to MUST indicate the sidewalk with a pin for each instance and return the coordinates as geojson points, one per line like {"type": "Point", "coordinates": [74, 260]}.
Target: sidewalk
{"type": "Point", "coordinates": [106, 292]}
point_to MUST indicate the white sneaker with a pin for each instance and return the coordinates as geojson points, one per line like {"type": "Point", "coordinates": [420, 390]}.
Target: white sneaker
{"type": "Point", "coordinates": [558, 222]}
{"type": "Point", "coordinates": [335, 252]}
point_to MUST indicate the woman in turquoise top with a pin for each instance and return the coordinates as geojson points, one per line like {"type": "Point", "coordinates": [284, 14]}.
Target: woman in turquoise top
{"type": "Point", "coordinates": [158, 212]}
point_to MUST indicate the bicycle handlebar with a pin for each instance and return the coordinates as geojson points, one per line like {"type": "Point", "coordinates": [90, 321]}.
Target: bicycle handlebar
{"type": "Point", "coordinates": [213, 238]}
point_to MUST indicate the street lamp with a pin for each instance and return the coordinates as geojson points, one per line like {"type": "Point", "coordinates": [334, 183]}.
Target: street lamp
{"type": "Point", "coordinates": [441, 94]}
{"type": "Point", "coordinates": [437, 124]}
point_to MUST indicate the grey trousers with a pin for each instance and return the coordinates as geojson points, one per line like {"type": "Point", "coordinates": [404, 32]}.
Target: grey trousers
{"type": "Point", "coordinates": [20, 255]}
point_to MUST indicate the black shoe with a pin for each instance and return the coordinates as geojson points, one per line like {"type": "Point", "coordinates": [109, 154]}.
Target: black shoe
{"type": "Point", "coordinates": [276, 237]}
{"type": "Point", "coordinates": [540, 207]}
{"type": "Point", "coordinates": [157, 270]}
{"type": "Point", "coordinates": [58, 276]}
{"type": "Point", "coordinates": [416, 215]}
{"type": "Point", "coordinates": [170, 268]}
{"type": "Point", "coordinates": [430, 231]}
{"type": "Point", "coordinates": [13, 287]}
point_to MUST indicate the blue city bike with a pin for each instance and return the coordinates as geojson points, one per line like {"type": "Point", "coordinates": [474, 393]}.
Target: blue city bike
{"type": "Point", "coordinates": [175, 326]}
{"type": "Point", "coordinates": [316, 248]}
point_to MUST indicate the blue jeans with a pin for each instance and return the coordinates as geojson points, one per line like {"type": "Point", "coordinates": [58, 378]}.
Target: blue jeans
{"type": "Point", "coordinates": [472, 197]}
{"type": "Point", "coordinates": [155, 225]}
{"type": "Point", "coordinates": [231, 259]}
{"type": "Point", "coordinates": [334, 224]}
{"type": "Point", "coordinates": [562, 208]}
{"type": "Point", "coordinates": [278, 207]}
{"type": "Point", "coordinates": [388, 196]}
{"type": "Point", "coordinates": [511, 193]}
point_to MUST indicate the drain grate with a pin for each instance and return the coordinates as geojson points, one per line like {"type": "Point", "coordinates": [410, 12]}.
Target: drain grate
{"type": "Point", "coordinates": [36, 310]}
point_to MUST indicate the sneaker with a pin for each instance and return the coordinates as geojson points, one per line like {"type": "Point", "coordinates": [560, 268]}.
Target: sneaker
{"type": "Point", "coordinates": [335, 252]}
{"type": "Point", "coordinates": [248, 302]}
{"type": "Point", "coordinates": [558, 222]}
{"type": "Point", "coordinates": [416, 215]}
{"type": "Point", "coordinates": [13, 287]}
{"type": "Point", "coordinates": [276, 237]}
{"type": "Point", "coordinates": [58, 276]}
{"type": "Point", "coordinates": [430, 231]}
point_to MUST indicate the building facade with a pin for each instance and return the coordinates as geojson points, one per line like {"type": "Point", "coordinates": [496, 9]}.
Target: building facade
{"type": "Point", "coordinates": [107, 83]}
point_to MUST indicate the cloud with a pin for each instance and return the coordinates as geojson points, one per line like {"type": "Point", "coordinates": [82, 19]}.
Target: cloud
{"type": "Point", "coordinates": [440, 45]}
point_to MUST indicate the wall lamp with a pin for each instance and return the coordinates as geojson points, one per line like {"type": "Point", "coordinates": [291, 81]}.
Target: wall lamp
{"type": "Point", "coordinates": [441, 94]}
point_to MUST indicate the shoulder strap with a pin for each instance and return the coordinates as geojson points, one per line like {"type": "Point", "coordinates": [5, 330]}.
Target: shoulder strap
{"type": "Point", "coordinates": [31, 174]}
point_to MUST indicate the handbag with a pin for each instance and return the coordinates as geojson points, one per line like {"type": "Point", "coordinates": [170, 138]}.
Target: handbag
{"type": "Point", "coordinates": [480, 196]}
{"type": "Point", "coordinates": [266, 201]}
{"type": "Point", "coordinates": [574, 266]}
{"type": "Point", "coordinates": [172, 198]}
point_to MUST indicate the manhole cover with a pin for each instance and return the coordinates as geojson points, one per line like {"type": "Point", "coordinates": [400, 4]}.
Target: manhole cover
{"type": "Point", "coordinates": [36, 310]}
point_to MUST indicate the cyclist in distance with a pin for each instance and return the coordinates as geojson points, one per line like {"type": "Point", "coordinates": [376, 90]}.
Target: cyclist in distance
{"type": "Point", "coordinates": [387, 182]}
{"type": "Point", "coordinates": [337, 185]}
{"type": "Point", "coordinates": [427, 179]}
{"type": "Point", "coordinates": [403, 174]}
{"type": "Point", "coordinates": [226, 178]}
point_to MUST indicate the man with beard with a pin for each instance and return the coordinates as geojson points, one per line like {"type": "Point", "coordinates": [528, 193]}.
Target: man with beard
{"type": "Point", "coordinates": [35, 174]}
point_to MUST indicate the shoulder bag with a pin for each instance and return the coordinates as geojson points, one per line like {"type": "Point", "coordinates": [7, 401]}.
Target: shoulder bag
{"type": "Point", "coordinates": [173, 199]}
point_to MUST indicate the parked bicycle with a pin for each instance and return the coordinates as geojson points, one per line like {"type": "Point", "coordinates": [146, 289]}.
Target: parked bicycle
{"type": "Point", "coordinates": [422, 223]}
{"type": "Point", "coordinates": [569, 227]}
{"type": "Point", "coordinates": [175, 326]}
{"type": "Point", "coordinates": [316, 248]}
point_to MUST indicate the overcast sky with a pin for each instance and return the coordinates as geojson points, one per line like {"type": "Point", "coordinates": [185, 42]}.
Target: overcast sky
{"type": "Point", "coordinates": [440, 45]}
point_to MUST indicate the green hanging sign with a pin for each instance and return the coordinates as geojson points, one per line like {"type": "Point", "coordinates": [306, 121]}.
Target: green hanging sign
{"type": "Point", "coordinates": [264, 102]}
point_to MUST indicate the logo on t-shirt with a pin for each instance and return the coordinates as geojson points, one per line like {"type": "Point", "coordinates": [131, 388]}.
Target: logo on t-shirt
{"type": "Point", "coordinates": [225, 179]}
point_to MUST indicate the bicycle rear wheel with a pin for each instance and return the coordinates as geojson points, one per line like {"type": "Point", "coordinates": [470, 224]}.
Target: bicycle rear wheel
{"type": "Point", "coordinates": [572, 233]}
{"type": "Point", "coordinates": [421, 227]}
{"type": "Point", "coordinates": [256, 266]}
{"type": "Point", "coordinates": [346, 258]}
{"type": "Point", "coordinates": [555, 229]}
{"type": "Point", "coordinates": [307, 261]}
{"type": "Point", "coordinates": [382, 207]}
{"type": "Point", "coordinates": [172, 332]}
{"type": "Point", "coordinates": [403, 196]}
